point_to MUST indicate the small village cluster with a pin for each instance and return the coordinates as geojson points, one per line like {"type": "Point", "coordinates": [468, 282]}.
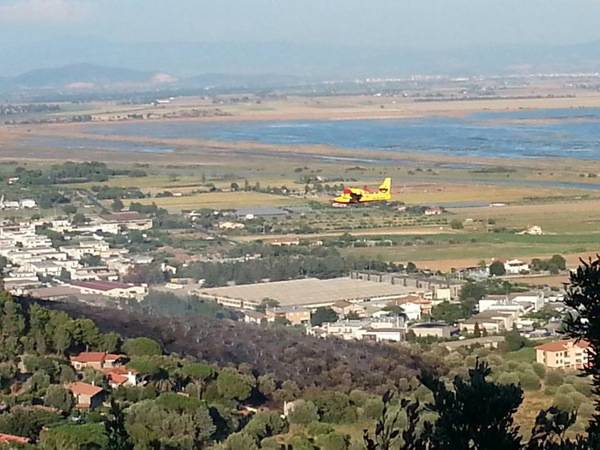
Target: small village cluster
{"type": "Point", "coordinates": [83, 264]}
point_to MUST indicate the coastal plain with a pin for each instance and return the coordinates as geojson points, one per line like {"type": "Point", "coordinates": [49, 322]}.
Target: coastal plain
{"type": "Point", "coordinates": [493, 197]}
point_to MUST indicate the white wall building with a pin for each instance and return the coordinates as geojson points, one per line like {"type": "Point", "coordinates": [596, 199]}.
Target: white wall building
{"type": "Point", "coordinates": [516, 267]}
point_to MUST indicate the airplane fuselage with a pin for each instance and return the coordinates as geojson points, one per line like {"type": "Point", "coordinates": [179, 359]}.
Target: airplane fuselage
{"type": "Point", "coordinates": [357, 195]}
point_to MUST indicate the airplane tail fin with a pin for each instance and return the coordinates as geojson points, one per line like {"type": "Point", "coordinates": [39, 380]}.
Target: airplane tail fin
{"type": "Point", "coordinates": [386, 187]}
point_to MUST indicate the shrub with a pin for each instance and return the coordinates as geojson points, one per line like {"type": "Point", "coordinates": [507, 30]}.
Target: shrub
{"type": "Point", "coordinates": [372, 408]}
{"type": "Point", "coordinates": [586, 409]}
{"type": "Point", "coordinates": [539, 369]}
{"type": "Point", "coordinates": [60, 398]}
{"type": "Point", "coordinates": [317, 428]}
{"type": "Point", "coordinates": [265, 424]}
{"type": "Point", "coordinates": [583, 387]}
{"type": "Point", "coordinates": [554, 378]}
{"type": "Point", "coordinates": [565, 389]}
{"type": "Point", "coordinates": [239, 441]}
{"type": "Point", "coordinates": [300, 442]}
{"type": "Point", "coordinates": [578, 399]}
{"type": "Point", "coordinates": [513, 365]}
{"type": "Point", "coordinates": [469, 361]}
{"type": "Point", "coordinates": [508, 378]}
{"type": "Point", "coordinates": [563, 402]}
{"type": "Point", "coordinates": [303, 413]}
{"type": "Point", "coordinates": [270, 443]}
{"type": "Point", "coordinates": [494, 361]}
{"type": "Point", "coordinates": [529, 381]}
{"type": "Point", "coordinates": [456, 224]}
{"type": "Point", "coordinates": [358, 397]}
{"type": "Point", "coordinates": [423, 395]}
{"type": "Point", "coordinates": [333, 441]}
{"type": "Point", "coordinates": [550, 390]}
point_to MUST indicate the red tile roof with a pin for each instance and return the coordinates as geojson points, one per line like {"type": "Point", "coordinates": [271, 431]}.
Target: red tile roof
{"type": "Point", "coordinates": [90, 357]}
{"type": "Point", "coordinates": [560, 346]}
{"type": "Point", "coordinates": [11, 438]}
{"type": "Point", "coordinates": [120, 370]}
{"type": "Point", "coordinates": [116, 378]}
{"type": "Point", "coordinates": [79, 388]}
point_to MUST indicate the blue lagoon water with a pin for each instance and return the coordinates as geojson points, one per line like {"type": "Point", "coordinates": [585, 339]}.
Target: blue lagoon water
{"type": "Point", "coordinates": [551, 133]}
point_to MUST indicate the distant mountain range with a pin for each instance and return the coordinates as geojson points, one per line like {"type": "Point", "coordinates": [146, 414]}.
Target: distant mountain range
{"type": "Point", "coordinates": [92, 77]}
{"type": "Point", "coordinates": [246, 64]}
{"type": "Point", "coordinates": [82, 75]}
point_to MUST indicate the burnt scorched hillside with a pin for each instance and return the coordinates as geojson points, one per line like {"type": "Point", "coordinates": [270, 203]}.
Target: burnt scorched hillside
{"type": "Point", "coordinates": [283, 353]}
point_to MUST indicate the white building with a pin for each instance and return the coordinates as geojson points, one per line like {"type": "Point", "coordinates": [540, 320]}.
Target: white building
{"type": "Point", "coordinates": [110, 289]}
{"type": "Point", "coordinates": [412, 311]}
{"type": "Point", "coordinates": [516, 267]}
{"type": "Point", "coordinates": [521, 303]}
{"type": "Point", "coordinates": [392, 334]}
{"type": "Point", "coordinates": [381, 329]}
{"type": "Point", "coordinates": [46, 268]}
{"type": "Point", "coordinates": [27, 203]}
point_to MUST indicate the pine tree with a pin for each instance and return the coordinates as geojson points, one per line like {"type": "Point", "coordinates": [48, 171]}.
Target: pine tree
{"type": "Point", "coordinates": [114, 426]}
{"type": "Point", "coordinates": [583, 296]}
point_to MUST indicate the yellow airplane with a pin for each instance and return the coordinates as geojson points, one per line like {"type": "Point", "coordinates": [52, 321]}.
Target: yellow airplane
{"type": "Point", "coordinates": [356, 195]}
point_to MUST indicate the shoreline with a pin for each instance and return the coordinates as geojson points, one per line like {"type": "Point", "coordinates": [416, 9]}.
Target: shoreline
{"type": "Point", "coordinates": [189, 149]}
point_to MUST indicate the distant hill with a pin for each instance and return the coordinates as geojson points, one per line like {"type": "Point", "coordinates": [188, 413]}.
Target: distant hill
{"type": "Point", "coordinates": [200, 66]}
{"type": "Point", "coordinates": [82, 76]}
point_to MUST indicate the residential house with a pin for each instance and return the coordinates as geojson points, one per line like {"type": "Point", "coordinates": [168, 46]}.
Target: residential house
{"type": "Point", "coordinates": [231, 226]}
{"type": "Point", "coordinates": [391, 334]}
{"type": "Point", "coordinates": [493, 322]}
{"type": "Point", "coordinates": [565, 354]}
{"type": "Point", "coordinates": [516, 267]}
{"type": "Point", "coordinates": [296, 315]}
{"type": "Point", "coordinates": [87, 396]}
{"type": "Point", "coordinates": [46, 268]}
{"type": "Point", "coordinates": [285, 242]}
{"type": "Point", "coordinates": [256, 317]}
{"type": "Point", "coordinates": [129, 220]}
{"type": "Point", "coordinates": [27, 203]}
{"type": "Point", "coordinates": [523, 302]}
{"type": "Point", "coordinates": [440, 330]}
{"type": "Point", "coordinates": [343, 307]}
{"type": "Point", "coordinates": [424, 304]}
{"type": "Point", "coordinates": [121, 376]}
{"type": "Point", "coordinates": [383, 329]}
{"type": "Point", "coordinates": [95, 360]}
{"type": "Point", "coordinates": [433, 211]}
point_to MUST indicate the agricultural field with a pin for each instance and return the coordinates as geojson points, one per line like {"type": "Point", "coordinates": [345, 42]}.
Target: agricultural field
{"type": "Point", "coordinates": [463, 249]}
{"type": "Point", "coordinates": [218, 200]}
{"type": "Point", "coordinates": [562, 197]}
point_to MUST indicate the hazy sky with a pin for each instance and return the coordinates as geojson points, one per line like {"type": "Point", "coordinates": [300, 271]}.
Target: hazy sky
{"type": "Point", "coordinates": [406, 23]}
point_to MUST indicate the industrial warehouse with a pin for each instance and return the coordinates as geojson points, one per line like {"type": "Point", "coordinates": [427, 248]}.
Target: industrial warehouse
{"type": "Point", "coordinates": [308, 293]}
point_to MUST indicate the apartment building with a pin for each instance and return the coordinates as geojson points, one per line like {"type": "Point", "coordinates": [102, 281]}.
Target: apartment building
{"type": "Point", "coordinates": [565, 354]}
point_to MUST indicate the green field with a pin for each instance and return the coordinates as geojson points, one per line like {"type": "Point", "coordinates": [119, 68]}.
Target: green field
{"type": "Point", "coordinates": [444, 250]}
{"type": "Point", "coordinates": [219, 200]}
